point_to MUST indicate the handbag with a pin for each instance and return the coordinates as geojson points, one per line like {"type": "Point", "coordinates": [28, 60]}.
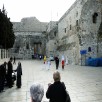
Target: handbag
{"type": "Point", "coordinates": [67, 94]}
{"type": "Point", "coordinates": [67, 97]}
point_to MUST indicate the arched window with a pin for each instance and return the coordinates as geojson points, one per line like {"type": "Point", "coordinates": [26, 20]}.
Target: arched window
{"type": "Point", "coordinates": [94, 17]}
{"type": "Point", "coordinates": [65, 30]}
{"type": "Point", "coordinates": [89, 49]}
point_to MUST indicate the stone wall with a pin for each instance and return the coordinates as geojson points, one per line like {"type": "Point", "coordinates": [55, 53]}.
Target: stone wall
{"type": "Point", "coordinates": [76, 30]}
{"type": "Point", "coordinates": [29, 38]}
{"type": "Point", "coordinates": [89, 29]}
{"type": "Point", "coordinates": [52, 38]}
{"type": "Point", "coordinates": [67, 32]}
{"type": "Point", "coordinates": [30, 24]}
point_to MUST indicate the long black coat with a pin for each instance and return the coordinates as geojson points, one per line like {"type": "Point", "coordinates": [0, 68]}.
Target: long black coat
{"type": "Point", "coordinates": [19, 73]}
{"type": "Point", "coordinates": [56, 92]}
{"type": "Point", "coordinates": [2, 76]}
{"type": "Point", "coordinates": [57, 62]}
{"type": "Point", "coordinates": [10, 68]}
{"type": "Point", "coordinates": [9, 74]}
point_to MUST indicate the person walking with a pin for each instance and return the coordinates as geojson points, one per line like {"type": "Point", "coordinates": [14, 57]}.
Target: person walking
{"type": "Point", "coordinates": [19, 74]}
{"type": "Point", "coordinates": [40, 57]}
{"type": "Point", "coordinates": [44, 59]}
{"type": "Point", "coordinates": [48, 64]}
{"type": "Point", "coordinates": [45, 63]}
{"type": "Point", "coordinates": [36, 92]}
{"type": "Point", "coordinates": [56, 91]}
{"type": "Point", "coordinates": [63, 62]}
{"type": "Point", "coordinates": [2, 76]}
{"type": "Point", "coordinates": [9, 73]}
{"type": "Point", "coordinates": [66, 60]}
{"type": "Point", "coordinates": [57, 62]}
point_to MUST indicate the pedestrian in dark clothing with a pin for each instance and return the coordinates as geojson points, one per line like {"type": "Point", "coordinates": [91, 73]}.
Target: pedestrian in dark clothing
{"type": "Point", "coordinates": [19, 73]}
{"type": "Point", "coordinates": [56, 91]}
{"type": "Point", "coordinates": [9, 73]}
{"type": "Point", "coordinates": [14, 62]}
{"type": "Point", "coordinates": [2, 76]}
{"type": "Point", "coordinates": [57, 62]}
{"type": "Point", "coordinates": [40, 57]}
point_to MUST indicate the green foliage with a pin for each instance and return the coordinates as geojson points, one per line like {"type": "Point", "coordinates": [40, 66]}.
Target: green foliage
{"type": "Point", "coordinates": [7, 36]}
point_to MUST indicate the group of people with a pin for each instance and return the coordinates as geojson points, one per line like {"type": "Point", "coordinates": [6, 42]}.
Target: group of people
{"type": "Point", "coordinates": [56, 91]}
{"type": "Point", "coordinates": [63, 62]}
{"type": "Point", "coordinates": [6, 74]}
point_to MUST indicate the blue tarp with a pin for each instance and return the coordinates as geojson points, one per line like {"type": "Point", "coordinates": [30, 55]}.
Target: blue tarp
{"type": "Point", "coordinates": [94, 62]}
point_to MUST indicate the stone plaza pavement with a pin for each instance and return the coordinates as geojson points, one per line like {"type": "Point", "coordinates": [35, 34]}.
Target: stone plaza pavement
{"type": "Point", "coordinates": [83, 83]}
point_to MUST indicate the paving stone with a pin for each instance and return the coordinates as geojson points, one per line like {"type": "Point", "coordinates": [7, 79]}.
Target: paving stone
{"type": "Point", "coordinates": [82, 82]}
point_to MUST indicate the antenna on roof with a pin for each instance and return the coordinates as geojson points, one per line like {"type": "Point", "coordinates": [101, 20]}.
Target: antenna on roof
{"type": "Point", "coordinates": [57, 16]}
{"type": "Point", "coordinates": [3, 9]}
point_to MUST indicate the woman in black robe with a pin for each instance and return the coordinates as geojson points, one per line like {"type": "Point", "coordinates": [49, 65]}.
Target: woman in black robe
{"type": "Point", "coordinates": [19, 73]}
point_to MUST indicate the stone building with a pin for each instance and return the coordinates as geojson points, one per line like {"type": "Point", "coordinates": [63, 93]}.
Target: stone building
{"type": "Point", "coordinates": [80, 28]}
{"type": "Point", "coordinates": [30, 38]}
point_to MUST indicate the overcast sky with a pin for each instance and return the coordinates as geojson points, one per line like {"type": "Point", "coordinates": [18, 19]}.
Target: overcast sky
{"type": "Point", "coordinates": [43, 10]}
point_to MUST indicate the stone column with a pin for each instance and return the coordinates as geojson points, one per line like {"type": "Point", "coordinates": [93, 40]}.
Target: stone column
{"type": "Point", "coordinates": [5, 53]}
{"type": "Point", "coordinates": [0, 53]}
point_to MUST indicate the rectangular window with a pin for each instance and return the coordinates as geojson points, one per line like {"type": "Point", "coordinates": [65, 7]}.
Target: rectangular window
{"type": "Point", "coordinates": [55, 33]}
{"type": "Point", "coordinates": [70, 27]}
{"type": "Point", "coordinates": [65, 30]}
{"type": "Point", "coordinates": [76, 22]}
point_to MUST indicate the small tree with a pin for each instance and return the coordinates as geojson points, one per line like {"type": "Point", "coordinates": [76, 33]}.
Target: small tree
{"type": "Point", "coordinates": [7, 36]}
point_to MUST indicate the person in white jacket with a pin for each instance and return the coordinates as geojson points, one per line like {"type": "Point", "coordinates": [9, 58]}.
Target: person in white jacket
{"type": "Point", "coordinates": [48, 64]}
{"type": "Point", "coordinates": [66, 60]}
